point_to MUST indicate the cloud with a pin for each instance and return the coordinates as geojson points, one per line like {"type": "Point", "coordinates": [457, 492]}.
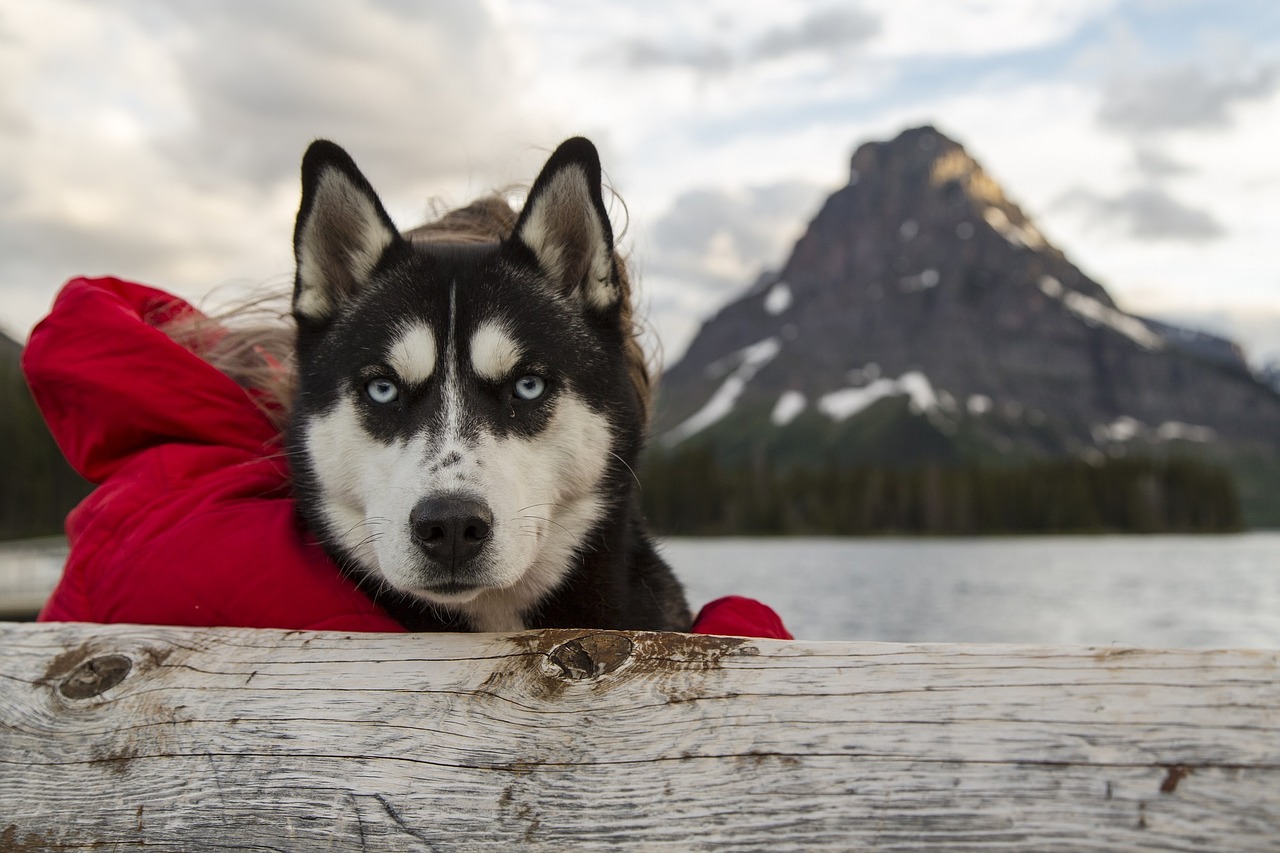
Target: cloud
{"type": "Point", "coordinates": [833, 31]}
{"type": "Point", "coordinates": [1154, 164]}
{"type": "Point", "coordinates": [1146, 212]}
{"type": "Point", "coordinates": [828, 30]}
{"type": "Point", "coordinates": [709, 246]}
{"type": "Point", "coordinates": [1151, 109]}
{"type": "Point", "coordinates": [397, 82]}
{"type": "Point", "coordinates": [641, 54]}
{"type": "Point", "coordinates": [721, 239]}
{"type": "Point", "coordinates": [1183, 96]}
{"type": "Point", "coordinates": [161, 141]}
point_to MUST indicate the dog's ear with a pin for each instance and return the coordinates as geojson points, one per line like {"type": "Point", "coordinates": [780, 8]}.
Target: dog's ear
{"type": "Point", "coordinates": [341, 233]}
{"type": "Point", "coordinates": [565, 226]}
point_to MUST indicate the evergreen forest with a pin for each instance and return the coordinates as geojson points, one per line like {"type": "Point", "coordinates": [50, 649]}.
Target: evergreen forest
{"type": "Point", "coordinates": [37, 486]}
{"type": "Point", "coordinates": [691, 493]}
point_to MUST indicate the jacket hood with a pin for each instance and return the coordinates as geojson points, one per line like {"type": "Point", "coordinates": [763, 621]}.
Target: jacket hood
{"type": "Point", "coordinates": [114, 387]}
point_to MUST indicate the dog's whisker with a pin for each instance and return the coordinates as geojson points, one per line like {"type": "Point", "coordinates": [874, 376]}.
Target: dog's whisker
{"type": "Point", "coordinates": [628, 467]}
{"type": "Point", "coordinates": [549, 521]}
{"type": "Point", "coordinates": [368, 540]}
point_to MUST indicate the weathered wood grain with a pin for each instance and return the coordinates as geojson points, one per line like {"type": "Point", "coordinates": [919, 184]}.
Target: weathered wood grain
{"type": "Point", "coordinates": [179, 739]}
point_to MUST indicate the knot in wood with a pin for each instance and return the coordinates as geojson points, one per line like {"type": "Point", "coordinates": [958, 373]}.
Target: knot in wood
{"type": "Point", "coordinates": [590, 656]}
{"type": "Point", "coordinates": [95, 676]}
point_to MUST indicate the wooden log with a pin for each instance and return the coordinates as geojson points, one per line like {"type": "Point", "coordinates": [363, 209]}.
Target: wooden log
{"type": "Point", "coordinates": [124, 737]}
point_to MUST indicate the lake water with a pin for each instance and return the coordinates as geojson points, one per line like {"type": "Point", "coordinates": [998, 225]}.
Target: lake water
{"type": "Point", "coordinates": [1160, 591]}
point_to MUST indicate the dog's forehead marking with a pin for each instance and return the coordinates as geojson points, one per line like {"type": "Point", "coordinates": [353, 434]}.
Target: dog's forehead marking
{"type": "Point", "coordinates": [412, 354]}
{"type": "Point", "coordinates": [494, 351]}
{"type": "Point", "coordinates": [452, 391]}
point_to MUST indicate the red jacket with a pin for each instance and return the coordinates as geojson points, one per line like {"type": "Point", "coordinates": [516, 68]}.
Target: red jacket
{"type": "Point", "coordinates": [193, 522]}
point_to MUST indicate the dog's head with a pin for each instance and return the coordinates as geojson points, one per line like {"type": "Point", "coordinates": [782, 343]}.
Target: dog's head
{"type": "Point", "coordinates": [466, 410]}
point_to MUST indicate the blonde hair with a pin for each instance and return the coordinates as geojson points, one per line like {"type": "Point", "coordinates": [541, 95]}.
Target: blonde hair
{"type": "Point", "coordinates": [253, 342]}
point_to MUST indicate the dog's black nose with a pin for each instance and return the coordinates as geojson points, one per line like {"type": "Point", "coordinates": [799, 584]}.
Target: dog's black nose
{"type": "Point", "coordinates": [452, 528]}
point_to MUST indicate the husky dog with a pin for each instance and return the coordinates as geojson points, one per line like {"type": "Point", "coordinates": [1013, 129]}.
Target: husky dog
{"type": "Point", "coordinates": [470, 406]}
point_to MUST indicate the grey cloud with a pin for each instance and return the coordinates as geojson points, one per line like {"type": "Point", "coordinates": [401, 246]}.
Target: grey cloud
{"type": "Point", "coordinates": [1142, 106]}
{"type": "Point", "coordinates": [467, 20]}
{"type": "Point", "coordinates": [37, 255]}
{"type": "Point", "coordinates": [400, 80]}
{"type": "Point", "coordinates": [642, 54]}
{"type": "Point", "coordinates": [751, 214]}
{"type": "Point", "coordinates": [423, 94]}
{"type": "Point", "coordinates": [826, 30]}
{"type": "Point", "coordinates": [751, 228]}
{"type": "Point", "coordinates": [1155, 164]}
{"type": "Point", "coordinates": [1182, 96]}
{"type": "Point", "coordinates": [684, 267]}
{"type": "Point", "coordinates": [1147, 213]}
{"type": "Point", "coordinates": [30, 247]}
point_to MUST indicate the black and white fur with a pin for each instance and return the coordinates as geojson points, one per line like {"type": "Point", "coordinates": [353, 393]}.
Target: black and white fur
{"type": "Point", "coordinates": [465, 427]}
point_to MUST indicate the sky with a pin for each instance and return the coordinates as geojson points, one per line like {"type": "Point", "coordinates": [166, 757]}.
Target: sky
{"type": "Point", "coordinates": [159, 140]}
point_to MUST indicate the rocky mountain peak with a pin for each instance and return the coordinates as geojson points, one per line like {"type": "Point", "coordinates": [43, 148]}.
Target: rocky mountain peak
{"type": "Point", "coordinates": [921, 282]}
{"type": "Point", "coordinates": [915, 152]}
{"type": "Point", "coordinates": [925, 162]}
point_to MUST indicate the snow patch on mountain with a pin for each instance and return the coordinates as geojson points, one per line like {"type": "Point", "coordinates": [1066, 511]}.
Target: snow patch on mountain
{"type": "Point", "coordinates": [978, 404]}
{"type": "Point", "coordinates": [1125, 428]}
{"type": "Point", "coordinates": [748, 362]}
{"type": "Point", "coordinates": [925, 280]}
{"type": "Point", "coordinates": [847, 402]}
{"type": "Point", "coordinates": [788, 407]}
{"type": "Point", "coordinates": [1170, 430]}
{"type": "Point", "coordinates": [1025, 235]}
{"type": "Point", "coordinates": [1095, 313]}
{"type": "Point", "coordinates": [779, 298]}
{"type": "Point", "coordinates": [1121, 429]}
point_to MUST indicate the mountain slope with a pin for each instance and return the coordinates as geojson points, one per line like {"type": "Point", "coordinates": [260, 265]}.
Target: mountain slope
{"type": "Point", "coordinates": [922, 316]}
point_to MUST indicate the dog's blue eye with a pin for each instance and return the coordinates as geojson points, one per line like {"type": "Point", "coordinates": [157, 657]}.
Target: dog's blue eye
{"type": "Point", "coordinates": [530, 387]}
{"type": "Point", "coordinates": [382, 390]}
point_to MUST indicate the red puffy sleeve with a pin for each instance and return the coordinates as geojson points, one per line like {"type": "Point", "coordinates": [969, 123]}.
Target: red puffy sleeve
{"type": "Point", "coordinates": [735, 616]}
